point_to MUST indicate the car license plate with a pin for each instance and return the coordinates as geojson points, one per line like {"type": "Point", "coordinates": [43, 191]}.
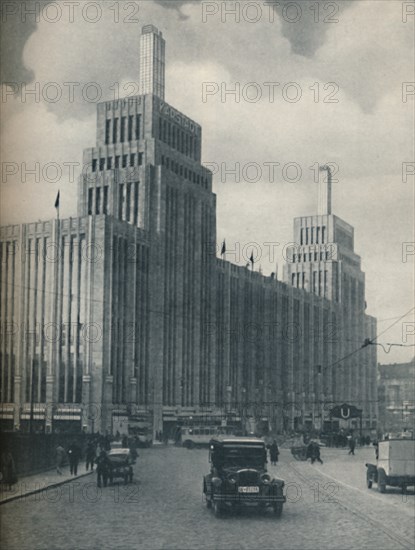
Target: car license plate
{"type": "Point", "coordinates": [249, 489]}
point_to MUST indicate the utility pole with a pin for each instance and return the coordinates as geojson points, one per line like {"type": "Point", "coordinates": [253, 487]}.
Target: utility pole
{"type": "Point", "coordinates": [32, 396]}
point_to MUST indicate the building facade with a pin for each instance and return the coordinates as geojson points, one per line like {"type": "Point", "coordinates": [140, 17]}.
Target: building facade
{"type": "Point", "coordinates": [126, 307]}
{"type": "Point", "coordinates": [396, 387]}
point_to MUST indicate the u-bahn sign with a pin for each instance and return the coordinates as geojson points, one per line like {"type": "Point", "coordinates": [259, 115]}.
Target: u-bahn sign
{"type": "Point", "coordinates": [345, 411]}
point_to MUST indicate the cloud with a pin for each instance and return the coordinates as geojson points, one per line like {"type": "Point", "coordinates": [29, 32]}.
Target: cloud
{"type": "Point", "coordinates": [14, 34]}
{"type": "Point", "coordinates": [305, 24]}
{"type": "Point", "coordinates": [368, 65]}
{"type": "Point", "coordinates": [40, 155]}
{"type": "Point", "coordinates": [175, 5]}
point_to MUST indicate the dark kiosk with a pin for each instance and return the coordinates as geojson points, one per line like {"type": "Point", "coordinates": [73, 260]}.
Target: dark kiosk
{"type": "Point", "coordinates": [238, 476]}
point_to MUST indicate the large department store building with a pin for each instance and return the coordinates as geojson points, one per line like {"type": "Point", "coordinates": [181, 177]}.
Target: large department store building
{"type": "Point", "coordinates": [126, 308]}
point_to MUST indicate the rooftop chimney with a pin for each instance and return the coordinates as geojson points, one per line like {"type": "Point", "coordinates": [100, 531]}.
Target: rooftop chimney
{"type": "Point", "coordinates": [324, 193]}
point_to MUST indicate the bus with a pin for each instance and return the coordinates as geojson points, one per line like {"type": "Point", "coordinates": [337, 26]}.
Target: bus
{"type": "Point", "coordinates": [194, 436]}
{"type": "Point", "coordinates": [141, 427]}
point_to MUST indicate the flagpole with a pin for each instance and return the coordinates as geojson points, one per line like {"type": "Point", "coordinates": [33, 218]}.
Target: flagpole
{"type": "Point", "coordinates": [223, 250]}
{"type": "Point", "coordinates": [251, 259]}
{"type": "Point", "coordinates": [57, 204]}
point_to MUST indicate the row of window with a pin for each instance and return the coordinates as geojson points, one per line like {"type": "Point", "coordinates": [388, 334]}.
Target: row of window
{"type": "Point", "coordinates": [127, 201]}
{"type": "Point", "coordinates": [101, 200]}
{"type": "Point", "coordinates": [310, 256]}
{"type": "Point", "coordinates": [119, 161]}
{"type": "Point", "coordinates": [319, 283]}
{"type": "Point", "coordinates": [176, 138]}
{"type": "Point", "coordinates": [181, 170]}
{"type": "Point", "coordinates": [312, 235]}
{"type": "Point", "coordinates": [125, 128]}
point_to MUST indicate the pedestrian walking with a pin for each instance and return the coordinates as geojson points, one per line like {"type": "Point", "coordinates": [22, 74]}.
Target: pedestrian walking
{"type": "Point", "coordinates": [352, 444]}
{"type": "Point", "coordinates": [313, 452]}
{"type": "Point", "coordinates": [8, 470]}
{"type": "Point", "coordinates": [60, 455]}
{"type": "Point", "coordinates": [273, 453]}
{"type": "Point", "coordinates": [98, 449]}
{"type": "Point", "coordinates": [90, 455]}
{"type": "Point", "coordinates": [133, 448]}
{"type": "Point", "coordinates": [74, 454]}
{"type": "Point", "coordinates": [103, 468]}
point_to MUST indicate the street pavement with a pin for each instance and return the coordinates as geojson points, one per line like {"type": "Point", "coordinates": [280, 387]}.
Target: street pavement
{"type": "Point", "coordinates": [328, 507]}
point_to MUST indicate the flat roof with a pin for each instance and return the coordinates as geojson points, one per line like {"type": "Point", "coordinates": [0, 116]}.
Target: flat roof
{"type": "Point", "coordinates": [238, 440]}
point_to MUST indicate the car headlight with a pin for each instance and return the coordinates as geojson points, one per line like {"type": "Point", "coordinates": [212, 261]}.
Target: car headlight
{"type": "Point", "coordinates": [216, 481]}
{"type": "Point", "coordinates": [265, 478]}
{"type": "Point", "coordinates": [278, 483]}
{"type": "Point", "coordinates": [232, 478]}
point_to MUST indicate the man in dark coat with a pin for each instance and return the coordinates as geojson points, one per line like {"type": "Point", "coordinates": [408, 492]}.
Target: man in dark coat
{"type": "Point", "coordinates": [313, 452]}
{"type": "Point", "coordinates": [8, 470]}
{"type": "Point", "coordinates": [352, 444]}
{"type": "Point", "coordinates": [274, 452]}
{"type": "Point", "coordinates": [74, 454]}
{"type": "Point", "coordinates": [103, 468]}
{"type": "Point", "coordinates": [90, 455]}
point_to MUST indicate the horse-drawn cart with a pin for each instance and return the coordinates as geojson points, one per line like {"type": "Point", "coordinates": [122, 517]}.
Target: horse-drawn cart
{"type": "Point", "coordinates": [299, 452]}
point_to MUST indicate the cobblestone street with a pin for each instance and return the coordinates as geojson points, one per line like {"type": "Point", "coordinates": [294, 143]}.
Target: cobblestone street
{"type": "Point", "coordinates": [164, 508]}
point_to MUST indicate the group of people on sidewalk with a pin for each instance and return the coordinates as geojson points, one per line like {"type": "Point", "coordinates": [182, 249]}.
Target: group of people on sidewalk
{"type": "Point", "coordinates": [94, 445]}
{"type": "Point", "coordinates": [74, 456]}
{"type": "Point", "coordinates": [95, 453]}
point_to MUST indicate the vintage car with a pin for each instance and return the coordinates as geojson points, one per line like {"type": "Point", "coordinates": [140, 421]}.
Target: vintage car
{"type": "Point", "coordinates": [121, 465]}
{"type": "Point", "coordinates": [239, 477]}
{"type": "Point", "coordinates": [395, 465]}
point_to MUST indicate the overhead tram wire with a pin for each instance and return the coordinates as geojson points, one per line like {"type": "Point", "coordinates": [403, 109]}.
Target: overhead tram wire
{"type": "Point", "coordinates": [371, 341]}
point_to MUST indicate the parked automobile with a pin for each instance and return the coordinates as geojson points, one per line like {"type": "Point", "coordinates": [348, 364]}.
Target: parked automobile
{"type": "Point", "coordinates": [395, 465]}
{"type": "Point", "coordinates": [121, 465]}
{"type": "Point", "coordinates": [239, 478]}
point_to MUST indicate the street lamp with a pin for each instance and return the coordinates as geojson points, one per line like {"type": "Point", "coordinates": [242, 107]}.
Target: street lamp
{"type": "Point", "coordinates": [243, 407]}
{"type": "Point", "coordinates": [229, 392]}
{"type": "Point", "coordinates": [32, 397]}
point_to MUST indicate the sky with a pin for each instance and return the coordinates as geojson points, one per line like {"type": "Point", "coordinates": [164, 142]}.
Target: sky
{"type": "Point", "coordinates": [316, 83]}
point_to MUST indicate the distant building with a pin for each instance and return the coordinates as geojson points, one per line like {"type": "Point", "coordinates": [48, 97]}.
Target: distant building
{"type": "Point", "coordinates": [396, 391]}
{"type": "Point", "coordinates": [126, 307]}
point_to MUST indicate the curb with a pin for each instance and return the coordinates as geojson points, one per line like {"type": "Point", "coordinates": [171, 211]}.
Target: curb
{"type": "Point", "coordinates": [40, 489]}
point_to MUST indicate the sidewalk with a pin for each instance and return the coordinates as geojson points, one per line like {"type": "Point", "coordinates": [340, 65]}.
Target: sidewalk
{"type": "Point", "coordinates": [29, 485]}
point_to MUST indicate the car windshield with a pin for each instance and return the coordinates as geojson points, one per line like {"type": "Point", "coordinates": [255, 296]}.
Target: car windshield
{"type": "Point", "coordinates": [118, 456]}
{"type": "Point", "coordinates": [239, 457]}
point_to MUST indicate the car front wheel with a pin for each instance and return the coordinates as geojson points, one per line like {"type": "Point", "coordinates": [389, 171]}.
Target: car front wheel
{"type": "Point", "coordinates": [278, 509]}
{"type": "Point", "coordinates": [381, 481]}
{"type": "Point", "coordinates": [217, 508]}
